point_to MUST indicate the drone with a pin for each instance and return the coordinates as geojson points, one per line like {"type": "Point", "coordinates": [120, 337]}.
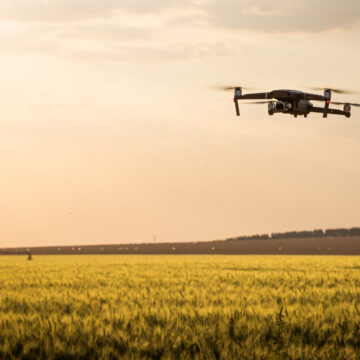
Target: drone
{"type": "Point", "coordinates": [293, 102]}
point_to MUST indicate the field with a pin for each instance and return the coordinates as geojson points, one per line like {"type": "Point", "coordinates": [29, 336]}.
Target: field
{"type": "Point", "coordinates": [180, 307]}
{"type": "Point", "coordinates": [338, 245]}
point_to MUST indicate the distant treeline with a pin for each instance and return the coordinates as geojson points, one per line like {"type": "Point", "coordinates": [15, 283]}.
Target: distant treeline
{"type": "Point", "coordinates": [355, 231]}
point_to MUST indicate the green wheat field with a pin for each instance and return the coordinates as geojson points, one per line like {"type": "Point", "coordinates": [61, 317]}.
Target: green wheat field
{"type": "Point", "coordinates": [180, 307]}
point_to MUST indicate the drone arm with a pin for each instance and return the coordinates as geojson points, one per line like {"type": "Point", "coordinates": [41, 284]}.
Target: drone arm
{"type": "Point", "coordinates": [256, 96]}
{"type": "Point", "coordinates": [315, 97]}
{"type": "Point", "coordinates": [330, 111]}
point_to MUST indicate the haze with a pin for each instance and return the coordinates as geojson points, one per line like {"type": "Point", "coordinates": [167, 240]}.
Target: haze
{"type": "Point", "coordinates": [110, 131]}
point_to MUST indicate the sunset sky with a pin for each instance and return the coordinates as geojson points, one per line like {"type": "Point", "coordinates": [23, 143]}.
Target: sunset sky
{"type": "Point", "coordinates": [111, 132]}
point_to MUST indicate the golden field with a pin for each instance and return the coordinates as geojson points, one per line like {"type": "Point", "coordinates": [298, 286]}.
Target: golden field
{"type": "Point", "coordinates": [180, 307]}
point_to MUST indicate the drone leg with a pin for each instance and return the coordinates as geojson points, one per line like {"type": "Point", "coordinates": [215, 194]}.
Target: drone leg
{"type": "Point", "coordinates": [237, 107]}
{"type": "Point", "coordinates": [326, 109]}
{"type": "Point", "coordinates": [327, 96]}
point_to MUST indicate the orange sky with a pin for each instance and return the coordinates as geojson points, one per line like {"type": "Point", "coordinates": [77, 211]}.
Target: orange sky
{"type": "Point", "coordinates": [110, 131]}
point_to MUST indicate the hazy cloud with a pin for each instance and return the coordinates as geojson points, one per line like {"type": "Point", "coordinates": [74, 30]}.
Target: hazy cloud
{"type": "Point", "coordinates": [54, 10]}
{"type": "Point", "coordinates": [104, 32]}
{"type": "Point", "coordinates": [179, 51]}
{"type": "Point", "coordinates": [73, 10]}
{"type": "Point", "coordinates": [158, 30]}
{"type": "Point", "coordinates": [259, 15]}
{"type": "Point", "coordinates": [283, 15]}
{"type": "Point", "coordinates": [116, 30]}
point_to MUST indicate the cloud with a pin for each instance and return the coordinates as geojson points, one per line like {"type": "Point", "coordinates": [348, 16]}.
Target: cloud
{"type": "Point", "coordinates": [104, 32]}
{"type": "Point", "coordinates": [74, 10]}
{"type": "Point", "coordinates": [111, 41]}
{"type": "Point", "coordinates": [115, 30]}
{"type": "Point", "coordinates": [53, 10]}
{"type": "Point", "coordinates": [283, 15]}
{"type": "Point", "coordinates": [259, 15]}
{"type": "Point", "coordinates": [159, 30]}
{"type": "Point", "coordinates": [153, 53]}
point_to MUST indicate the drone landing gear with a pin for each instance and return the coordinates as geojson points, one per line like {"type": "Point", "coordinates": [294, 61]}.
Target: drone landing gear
{"type": "Point", "coordinates": [271, 108]}
{"type": "Point", "coordinates": [347, 109]}
{"type": "Point", "coordinates": [327, 96]}
{"type": "Point", "coordinates": [237, 95]}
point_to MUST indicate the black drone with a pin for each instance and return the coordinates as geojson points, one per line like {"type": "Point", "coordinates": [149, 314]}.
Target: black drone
{"type": "Point", "coordinates": [293, 102]}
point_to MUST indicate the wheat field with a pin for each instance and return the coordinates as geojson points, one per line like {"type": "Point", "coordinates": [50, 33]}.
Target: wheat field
{"type": "Point", "coordinates": [180, 307]}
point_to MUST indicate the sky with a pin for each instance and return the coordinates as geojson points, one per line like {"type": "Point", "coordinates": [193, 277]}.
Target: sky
{"type": "Point", "coordinates": [111, 130]}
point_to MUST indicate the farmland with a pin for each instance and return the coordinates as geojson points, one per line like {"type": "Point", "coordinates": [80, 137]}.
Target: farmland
{"type": "Point", "coordinates": [179, 307]}
{"type": "Point", "coordinates": [339, 245]}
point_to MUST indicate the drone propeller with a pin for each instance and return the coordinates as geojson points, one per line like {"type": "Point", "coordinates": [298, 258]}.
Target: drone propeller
{"type": "Point", "coordinates": [345, 103]}
{"type": "Point", "coordinates": [237, 93]}
{"type": "Point", "coordinates": [336, 91]}
{"type": "Point", "coordinates": [230, 88]}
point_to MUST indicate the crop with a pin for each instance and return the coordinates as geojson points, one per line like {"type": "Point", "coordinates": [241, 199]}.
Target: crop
{"type": "Point", "coordinates": [180, 307]}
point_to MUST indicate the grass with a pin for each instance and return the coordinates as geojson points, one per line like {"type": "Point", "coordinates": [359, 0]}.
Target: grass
{"type": "Point", "coordinates": [180, 307]}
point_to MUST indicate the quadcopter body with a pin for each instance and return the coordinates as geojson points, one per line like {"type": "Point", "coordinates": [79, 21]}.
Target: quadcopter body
{"type": "Point", "coordinates": [293, 102]}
